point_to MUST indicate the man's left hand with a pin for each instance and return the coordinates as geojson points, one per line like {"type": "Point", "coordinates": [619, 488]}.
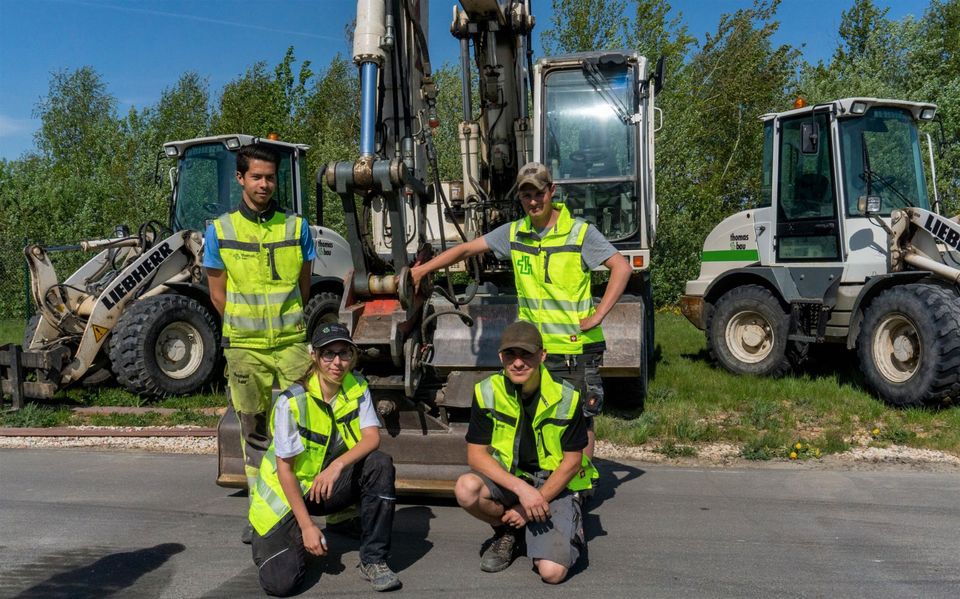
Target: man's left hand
{"type": "Point", "coordinates": [322, 487]}
{"type": "Point", "coordinates": [589, 322]}
{"type": "Point", "coordinates": [514, 516]}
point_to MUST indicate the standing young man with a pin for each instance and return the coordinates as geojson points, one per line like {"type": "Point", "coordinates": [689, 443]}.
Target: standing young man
{"type": "Point", "coordinates": [553, 255]}
{"type": "Point", "coordinates": [525, 449]}
{"type": "Point", "coordinates": [258, 263]}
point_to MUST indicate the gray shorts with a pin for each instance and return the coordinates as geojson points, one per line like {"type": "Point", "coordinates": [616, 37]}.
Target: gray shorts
{"type": "Point", "coordinates": [560, 539]}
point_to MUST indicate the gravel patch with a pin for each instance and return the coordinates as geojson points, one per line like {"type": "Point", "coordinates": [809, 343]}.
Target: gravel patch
{"type": "Point", "coordinates": [194, 445]}
{"type": "Point", "coordinates": [857, 458]}
{"type": "Point", "coordinates": [708, 455]}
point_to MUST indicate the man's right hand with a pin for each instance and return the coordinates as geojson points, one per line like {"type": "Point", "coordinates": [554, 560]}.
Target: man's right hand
{"type": "Point", "coordinates": [313, 540]}
{"type": "Point", "coordinates": [533, 503]}
{"type": "Point", "coordinates": [417, 273]}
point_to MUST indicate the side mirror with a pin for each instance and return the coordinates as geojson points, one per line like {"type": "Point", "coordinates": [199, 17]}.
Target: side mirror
{"type": "Point", "coordinates": [810, 137]}
{"type": "Point", "coordinates": [869, 205]}
{"type": "Point", "coordinates": [658, 76]}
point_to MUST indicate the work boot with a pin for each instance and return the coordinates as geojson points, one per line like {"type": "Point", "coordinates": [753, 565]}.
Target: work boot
{"type": "Point", "coordinates": [246, 537]}
{"type": "Point", "coordinates": [381, 577]}
{"type": "Point", "coordinates": [503, 548]}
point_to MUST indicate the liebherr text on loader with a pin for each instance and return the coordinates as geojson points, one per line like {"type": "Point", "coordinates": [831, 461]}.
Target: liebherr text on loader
{"type": "Point", "coordinates": [847, 248]}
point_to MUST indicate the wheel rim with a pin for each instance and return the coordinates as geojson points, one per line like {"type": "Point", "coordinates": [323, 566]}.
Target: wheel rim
{"type": "Point", "coordinates": [749, 337]}
{"type": "Point", "coordinates": [179, 350]}
{"type": "Point", "coordinates": [897, 351]}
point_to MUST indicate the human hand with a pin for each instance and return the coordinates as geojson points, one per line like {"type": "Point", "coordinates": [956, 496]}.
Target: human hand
{"type": "Point", "coordinates": [514, 516]}
{"type": "Point", "coordinates": [589, 322]}
{"type": "Point", "coordinates": [417, 273]}
{"type": "Point", "coordinates": [533, 503]}
{"type": "Point", "coordinates": [322, 487]}
{"type": "Point", "coordinates": [314, 541]}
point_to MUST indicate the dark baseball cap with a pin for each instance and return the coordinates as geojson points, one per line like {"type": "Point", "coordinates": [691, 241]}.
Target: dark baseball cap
{"type": "Point", "coordinates": [521, 335]}
{"type": "Point", "coordinates": [534, 174]}
{"type": "Point", "coordinates": [328, 332]}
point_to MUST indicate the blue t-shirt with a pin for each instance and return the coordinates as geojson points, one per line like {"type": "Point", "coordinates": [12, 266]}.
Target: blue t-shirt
{"type": "Point", "coordinates": [211, 247]}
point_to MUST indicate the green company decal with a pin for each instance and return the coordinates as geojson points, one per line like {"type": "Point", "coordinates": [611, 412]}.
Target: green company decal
{"type": "Point", "coordinates": [730, 256]}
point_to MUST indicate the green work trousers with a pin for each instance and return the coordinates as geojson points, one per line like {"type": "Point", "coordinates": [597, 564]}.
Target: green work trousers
{"type": "Point", "coordinates": [250, 377]}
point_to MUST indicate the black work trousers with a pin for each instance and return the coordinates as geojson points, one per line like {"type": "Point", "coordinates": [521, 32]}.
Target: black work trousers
{"type": "Point", "coordinates": [280, 555]}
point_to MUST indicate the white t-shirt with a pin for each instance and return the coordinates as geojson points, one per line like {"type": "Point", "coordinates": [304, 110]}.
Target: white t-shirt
{"type": "Point", "coordinates": [286, 438]}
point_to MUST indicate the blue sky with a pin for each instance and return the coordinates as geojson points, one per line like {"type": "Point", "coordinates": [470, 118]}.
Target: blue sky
{"type": "Point", "coordinates": [140, 47]}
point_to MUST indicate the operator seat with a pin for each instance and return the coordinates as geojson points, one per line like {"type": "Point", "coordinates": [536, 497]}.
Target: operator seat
{"type": "Point", "coordinates": [811, 197]}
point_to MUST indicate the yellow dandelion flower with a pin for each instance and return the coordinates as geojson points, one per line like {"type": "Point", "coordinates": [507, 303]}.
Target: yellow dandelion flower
{"type": "Point", "coordinates": [798, 446]}
{"type": "Point", "coordinates": [793, 455]}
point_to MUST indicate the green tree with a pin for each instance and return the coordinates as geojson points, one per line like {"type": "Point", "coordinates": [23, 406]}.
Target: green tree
{"type": "Point", "coordinates": [708, 154]}
{"type": "Point", "coordinates": [583, 25]}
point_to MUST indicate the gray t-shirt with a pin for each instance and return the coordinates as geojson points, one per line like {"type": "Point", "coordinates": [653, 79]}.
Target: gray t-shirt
{"type": "Point", "coordinates": [286, 438]}
{"type": "Point", "coordinates": [596, 248]}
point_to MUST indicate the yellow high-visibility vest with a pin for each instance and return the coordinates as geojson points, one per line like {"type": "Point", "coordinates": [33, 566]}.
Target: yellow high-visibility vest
{"type": "Point", "coordinates": [553, 287]}
{"type": "Point", "coordinates": [556, 408]}
{"type": "Point", "coordinates": [315, 421]}
{"type": "Point", "coordinates": [264, 308]}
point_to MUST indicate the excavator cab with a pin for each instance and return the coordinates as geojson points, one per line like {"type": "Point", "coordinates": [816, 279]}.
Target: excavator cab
{"type": "Point", "coordinates": [592, 109]}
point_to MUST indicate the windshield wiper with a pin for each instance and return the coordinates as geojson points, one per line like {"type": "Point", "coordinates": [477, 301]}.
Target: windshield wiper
{"type": "Point", "coordinates": [601, 85]}
{"type": "Point", "coordinates": [869, 177]}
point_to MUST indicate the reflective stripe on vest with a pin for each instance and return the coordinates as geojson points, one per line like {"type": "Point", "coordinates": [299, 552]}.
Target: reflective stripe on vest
{"type": "Point", "coordinates": [315, 422]}
{"type": "Point", "coordinates": [553, 288]}
{"type": "Point", "coordinates": [555, 410]}
{"type": "Point", "coordinates": [264, 308]}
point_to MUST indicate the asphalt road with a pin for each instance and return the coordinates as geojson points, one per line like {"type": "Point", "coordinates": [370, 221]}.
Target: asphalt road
{"type": "Point", "coordinates": [85, 524]}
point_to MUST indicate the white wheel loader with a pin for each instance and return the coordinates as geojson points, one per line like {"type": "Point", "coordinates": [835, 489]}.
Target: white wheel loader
{"type": "Point", "coordinates": [139, 309]}
{"type": "Point", "coordinates": [848, 247]}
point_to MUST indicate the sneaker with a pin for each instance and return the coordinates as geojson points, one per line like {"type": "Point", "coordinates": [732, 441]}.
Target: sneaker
{"type": "Point", "coordinates": [381, 577]}
{"type": "Point", "coordinates": [503, 548]}
{"type": "Point", "coordinates": [246, 537]}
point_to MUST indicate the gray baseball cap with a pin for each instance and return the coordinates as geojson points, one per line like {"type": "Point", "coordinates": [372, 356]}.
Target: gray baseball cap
{"type": "Point", "coordinates": [534, 174]}
{"type": "Point", "coordinates": [521, 335]}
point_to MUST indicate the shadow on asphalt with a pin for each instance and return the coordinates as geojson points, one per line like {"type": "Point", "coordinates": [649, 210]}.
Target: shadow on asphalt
{"type": "Point", "coordinates": [107, 575]}
{"type": "Point", "coordinates": [612, 475]}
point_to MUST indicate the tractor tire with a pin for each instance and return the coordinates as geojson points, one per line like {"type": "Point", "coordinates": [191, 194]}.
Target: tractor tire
{"type": "Point", "coordinates": [909, 344]}
{"type": "Point", "coordinates": [747, 333]}
{"type": "Point", "coordinates": [165, 345]}
{"type": "Point", "coordinates": [323, 307]}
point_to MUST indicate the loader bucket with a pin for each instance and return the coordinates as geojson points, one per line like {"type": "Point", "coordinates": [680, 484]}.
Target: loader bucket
{"type": "Point", "coordinates": [429, 456]}
{"type": "Point", "coordinates": [230, 472]}
{"type": "Point", "coordinates": [31, 374]}
{"type": "Point", "coordinates": [461, 347]}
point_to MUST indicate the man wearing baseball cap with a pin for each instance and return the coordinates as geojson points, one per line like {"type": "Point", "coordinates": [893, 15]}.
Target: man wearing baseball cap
{"type": "Point", "coordinates": [323, 458]}
{"type": "Point", "coordinates": [525, 446]}
{"type": "Point", "coordinates": [553, 255]}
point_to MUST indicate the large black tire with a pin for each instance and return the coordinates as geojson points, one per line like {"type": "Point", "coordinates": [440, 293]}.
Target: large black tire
{"type": "Point", "coordinates": [909, 344]}
{"type": "Point", "coordinates": [165, 345]}
{"type": "Point", "coordinates": [747, 333]}
{"type": "Point", "coordinates": [323, 307]}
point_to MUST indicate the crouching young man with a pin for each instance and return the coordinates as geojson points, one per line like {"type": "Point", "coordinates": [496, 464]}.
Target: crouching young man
{"type": "Point", "coordinates": [525, 449]}
{"type": "Point", "coordinates": [323, 458]}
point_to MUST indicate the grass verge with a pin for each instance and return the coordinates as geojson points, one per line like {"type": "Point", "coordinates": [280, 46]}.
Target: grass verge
{"type": "Point", "coordinates": [824, 408]}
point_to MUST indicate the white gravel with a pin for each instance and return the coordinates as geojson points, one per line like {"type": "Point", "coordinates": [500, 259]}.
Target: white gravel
{"type": "Point", "coordinates": [715, 454]}
{"type": "Point", "coordinates": [196, 445]}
